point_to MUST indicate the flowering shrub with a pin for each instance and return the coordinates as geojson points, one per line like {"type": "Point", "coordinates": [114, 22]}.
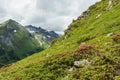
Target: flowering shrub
{"type": "Point", "coordinates": [86, 48]}
{"type": "Point", "coordinates": [116, 37]}
{"type": "Point", "coordinates": [85, 51]}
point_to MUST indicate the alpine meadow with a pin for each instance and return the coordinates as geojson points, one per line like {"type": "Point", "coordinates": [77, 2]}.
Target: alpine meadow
{"type": "Point", "coordinates": [88, 50]}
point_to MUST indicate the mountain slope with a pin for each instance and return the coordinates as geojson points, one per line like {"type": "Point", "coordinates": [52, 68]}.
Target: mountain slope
{"type": "Point", "coordinates": [89, 50]}
{"type": "Point", "coordinates": [15, 42]}
{"type": "Point", "coordinates": [45, 37]}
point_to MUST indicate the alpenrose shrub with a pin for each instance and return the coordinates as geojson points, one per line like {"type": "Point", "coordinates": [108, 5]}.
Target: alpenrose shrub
{"type": "Point", "coordinates": [86, 48]}
{"type": "Point", "coordinates": [116, 38]}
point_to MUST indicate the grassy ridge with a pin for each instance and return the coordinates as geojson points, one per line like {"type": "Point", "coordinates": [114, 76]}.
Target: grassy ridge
{"type": "Point", "coordinates": [15, 45]}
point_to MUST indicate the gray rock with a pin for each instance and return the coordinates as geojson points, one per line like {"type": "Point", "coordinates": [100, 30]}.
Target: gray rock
{"type": "Point", "coordinates": [108, 43]}
{"type": "Point", "coordinates": [72, 69]}
{"type": "Point", "coordinates": [110, 5]}
{"type": "Point", "coordinates": [110, 34]}
{"type": "Point", "coordinates": [82, 63]}
{"type": "Point", "coordinates": [98, 15]}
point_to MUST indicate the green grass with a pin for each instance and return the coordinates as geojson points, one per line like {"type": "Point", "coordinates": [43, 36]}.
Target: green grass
{"type": "Point", "coordinates": [23, 43]}
{"type": "Point", "coordinates": [54, 63]}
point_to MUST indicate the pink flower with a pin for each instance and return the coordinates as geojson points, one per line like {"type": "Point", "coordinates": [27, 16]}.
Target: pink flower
{"type": "Point", "coordinates": [116, 37]}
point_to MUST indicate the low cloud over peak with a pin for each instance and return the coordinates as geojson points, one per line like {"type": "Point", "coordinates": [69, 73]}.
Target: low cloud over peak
{"type": "Point", "coordinates": [52, 15]}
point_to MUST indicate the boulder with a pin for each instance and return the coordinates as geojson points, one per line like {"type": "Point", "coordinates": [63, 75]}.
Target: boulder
{"type": "Point", "coordinates": [110, 34]}
{"type": "Point", "coordinates": [82, 63]}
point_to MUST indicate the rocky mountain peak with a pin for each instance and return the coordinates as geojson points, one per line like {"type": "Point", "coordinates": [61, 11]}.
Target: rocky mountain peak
{"type": "Point", "coordinates": [44, 35]}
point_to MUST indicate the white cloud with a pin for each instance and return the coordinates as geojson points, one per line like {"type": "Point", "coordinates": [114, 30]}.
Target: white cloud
{"type": "Point", "coordinates": [51, 15]}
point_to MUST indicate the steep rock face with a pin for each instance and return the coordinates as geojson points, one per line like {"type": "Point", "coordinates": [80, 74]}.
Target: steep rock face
{"type": "Point", "coordinates": [42, 34]}
{"type": "Point", "coordinates": [16, 42]}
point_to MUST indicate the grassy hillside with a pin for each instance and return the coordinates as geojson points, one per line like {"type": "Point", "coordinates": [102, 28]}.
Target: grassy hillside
{"type": "Point", "coordinates": [89, 50]}
{"type": "Point", "coordinates": [15, 42]}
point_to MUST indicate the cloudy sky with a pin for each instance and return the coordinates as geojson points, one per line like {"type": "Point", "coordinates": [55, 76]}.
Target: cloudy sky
{"type": "Point", "coordinates": [49, 14]}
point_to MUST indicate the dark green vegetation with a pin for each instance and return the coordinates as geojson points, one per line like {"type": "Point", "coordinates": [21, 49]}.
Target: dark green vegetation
{"type": "Point", "coordinates": [89, 50]}
{"type": "Point", "coordinates": [15, 42]}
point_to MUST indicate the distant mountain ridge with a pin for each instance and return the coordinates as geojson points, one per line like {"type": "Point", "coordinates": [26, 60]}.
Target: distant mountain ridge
{"type": "Point", "coordinates": [44, 35]}
{"type": "Point", "coordinates": [18, 42]}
